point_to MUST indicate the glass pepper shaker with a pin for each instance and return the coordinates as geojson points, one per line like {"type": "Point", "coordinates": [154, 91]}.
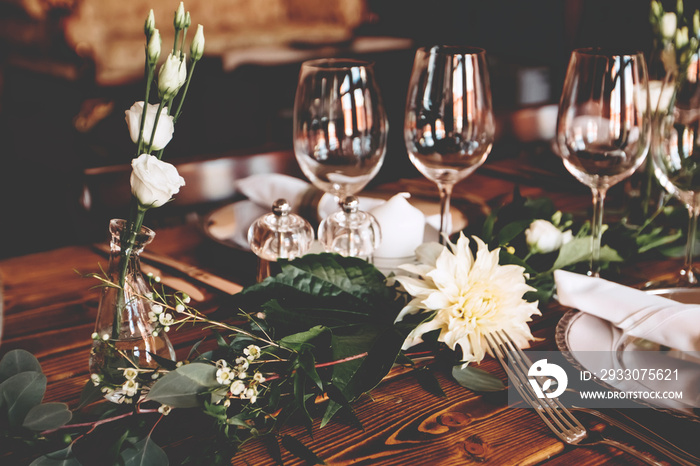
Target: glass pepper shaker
{"type": "Point", "coordinates": [350, 231]}
{"type": "Point", "coordinates": [278, 235]}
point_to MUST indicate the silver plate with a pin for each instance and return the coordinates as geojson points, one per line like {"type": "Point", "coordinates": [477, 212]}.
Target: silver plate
{"type": "Point", "coordinates": [569, 341]}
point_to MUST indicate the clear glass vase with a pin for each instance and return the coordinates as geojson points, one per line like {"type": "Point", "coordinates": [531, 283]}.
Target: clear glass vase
{"type": "Point", "coordinates": [125, 335]}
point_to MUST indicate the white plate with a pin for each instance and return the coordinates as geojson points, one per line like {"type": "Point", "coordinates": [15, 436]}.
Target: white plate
{"type": "Point", "coordinates": [573, 338]}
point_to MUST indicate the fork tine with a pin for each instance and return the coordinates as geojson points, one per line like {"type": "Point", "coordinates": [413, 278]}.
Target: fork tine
{"type": "Point", "coordinates": [498, 348]}
{"type": "Point", "coordinates": [559, 420]}
{"type": "Point", "coordinates": [564, 413]}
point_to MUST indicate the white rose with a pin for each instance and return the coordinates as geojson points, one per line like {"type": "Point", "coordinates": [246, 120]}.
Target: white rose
{"type": "Point", "coordinates": [153, 181]}
{"type": "Point", "coordinates": [171, 77]}
{"type": "Point", "coordinates": [681, 37]}
{"type": "Point", "coordinates": [164, 130]}
{"type": "Point", "coordinates": [668, 25]}
{"type": "Point", "coordinates": [543, 237]}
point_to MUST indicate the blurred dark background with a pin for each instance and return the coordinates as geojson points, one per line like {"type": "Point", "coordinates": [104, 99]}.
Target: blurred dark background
{"type": "Point", "coordinates": [69, 69]}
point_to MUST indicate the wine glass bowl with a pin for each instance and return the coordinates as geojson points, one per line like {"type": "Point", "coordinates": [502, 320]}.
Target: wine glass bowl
{"type": "Point", "coordinates": [603, 125]}
{"type": "Point", "coordinates": [340, 125]}
{"type": "Point", "coordinates": [449, 124]}
{"type": "Point", "coordinates": [676, 160]}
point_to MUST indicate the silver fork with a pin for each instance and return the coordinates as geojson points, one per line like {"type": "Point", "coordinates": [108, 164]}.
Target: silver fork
{"type": "Point", "coordinates": [559, 419]}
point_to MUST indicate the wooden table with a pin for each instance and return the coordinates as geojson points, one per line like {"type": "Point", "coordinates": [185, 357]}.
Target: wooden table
{"type": "Point", "coordinates": [50, 311]}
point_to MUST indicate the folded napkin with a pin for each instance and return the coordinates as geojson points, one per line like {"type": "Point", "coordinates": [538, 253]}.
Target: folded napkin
{"type": "Point", "coordinates": [397, 219]}
{"type": "Point", "coordinates": [635, 312]}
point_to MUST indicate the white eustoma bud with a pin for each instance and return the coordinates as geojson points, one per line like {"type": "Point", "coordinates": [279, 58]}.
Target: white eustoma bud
{"type": "Point", "coordinates": [668, 25]}
{"type": "Point", "coordinates": [188, 20]}
{"type": "Point", "coordinates": [682, 37]}
{"type": "Point", "coordinates": [150, 25]}
{"type": "Point", "coordinates": [696, 23]}
{"type": "Point", "coordinates": [154, 182]}
{"type": "Point", "coordinates": [171, 77]}
{"type": "Point", "coordinates": [656, 8]}
{"type": "Point", "coordinates": [543, 237]}
{"type": "Point", "coordinates": [197, 47]}
{"type": "Point", "coordinates": [154, 47]}
{"type": "Point", "coordinates": [179, 21]}
{"type": "Point", "coordinates": [164, 129]}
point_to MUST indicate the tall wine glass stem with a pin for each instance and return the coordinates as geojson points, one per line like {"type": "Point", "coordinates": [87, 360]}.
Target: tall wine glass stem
{"type": "Point", "coordinates": [596, 230]}
{"type": "Point", "coordinates": [687, 273]}
{"type": "Point", "coordinates": [445, 195]}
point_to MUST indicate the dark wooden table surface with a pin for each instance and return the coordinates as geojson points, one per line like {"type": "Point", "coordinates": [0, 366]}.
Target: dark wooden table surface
{"type": "Point", "coordinates": [50, 311]}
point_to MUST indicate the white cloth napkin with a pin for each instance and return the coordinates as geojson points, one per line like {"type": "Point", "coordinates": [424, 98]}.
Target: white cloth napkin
{"type": "Point", "coordinates": [264, 189]}
{"type": "Point", "coordinates": [635, 312]}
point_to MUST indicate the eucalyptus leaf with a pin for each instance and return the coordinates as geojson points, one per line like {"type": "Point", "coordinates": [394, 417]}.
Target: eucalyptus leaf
{"type": "Point", "coordinates": [17, 361]}
{"type": "Point", "coordinates": [181, 387]}
{"type": "Point", "coordinates": [144, 453]}
{"type": "Point", "coordinates": [22, 392]}
{"type": "Point", "coordinates": [47, 416]}
{"type": "Point", "coordinates": [476, 379]}
{"type": "Point", "coordinates": [57, 458]}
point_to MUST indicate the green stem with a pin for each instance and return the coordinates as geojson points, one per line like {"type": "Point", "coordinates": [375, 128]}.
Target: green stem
{"type": "Point", "coordinates": [155, 125]}
{"type": "Point", "coordinates": [177, 34]}
{"type": "Point", "coordinates": [182, 43]}
{"type": "Point", "coordinates": [149, 78]}
{"type": "Point", "coordinates": [127, 247]}
{"type": "Point", "coordinates": [184, 92]}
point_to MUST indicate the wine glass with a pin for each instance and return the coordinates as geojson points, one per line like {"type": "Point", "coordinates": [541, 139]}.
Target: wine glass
{"type": "Point", "coordinates": [340, 125]}
{"type": "Point", "coordinates": [676, 158]}
{"type": "Point", "coordinates": [449, 125]}
{"type": "Point", "coordinates": [603, 125]}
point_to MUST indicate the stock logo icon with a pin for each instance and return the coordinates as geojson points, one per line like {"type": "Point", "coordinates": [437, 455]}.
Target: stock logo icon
{"type": "Point", "coordinates": [547, 374]}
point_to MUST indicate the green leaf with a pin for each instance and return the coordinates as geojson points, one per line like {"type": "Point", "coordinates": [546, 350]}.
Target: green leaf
{"type": "Point", "coordinates": [57, 458]}
{"type": "Point", "coordinates": [298, 449]}
{"type": "Point", "coordinates": [144, 453]}
{"type": "Point", "coordinates": [510, 231]}
{"type": "Point", "coordinates": [47, 416]}
{"type": "Point", "coordinates": [336, 403]}
{"type": "Point", "coordinates": [300, 397]}
{"type": "Point", "coordinates": [89, 395]}
{"type": "Point", "coordinates": [273, 448]}
{"type": "Point", "coordinates": [358, 376]}
{"type": "Point", "coordinates": [307, 363]}
{"type": "Point", "coordinates": [477, 380]}
{"type": "Point", "coordinates": [428, 381]}
{"type": "Point", "coordinates": [181, 387]}
{"type": "Point", "coordinates": [579, 250]}
{"type": "Point", "coordinates": [165, 363]}
{"type": "Point", "coordinates": [194, 348]}
{"type": "Point", "coordinates": [17, 361]}
{"type": "Point", "coordinates": [354, 276]}
{"type": "Point", "coordinates": [322, 289]}
{"type": "Point", "coordinates": [302, 340]}
{"type": "Point", "coordinates": [20, 393]}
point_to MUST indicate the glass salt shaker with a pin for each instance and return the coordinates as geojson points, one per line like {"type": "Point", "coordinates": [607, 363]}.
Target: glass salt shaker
{"type": "Point", "coordinates": [278, 235]}
{"type": "Point", "coordinates": [350, 231]}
